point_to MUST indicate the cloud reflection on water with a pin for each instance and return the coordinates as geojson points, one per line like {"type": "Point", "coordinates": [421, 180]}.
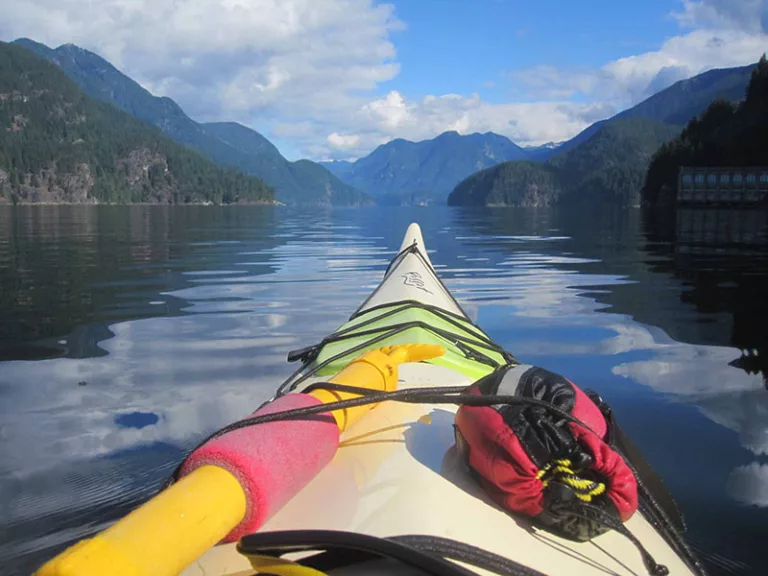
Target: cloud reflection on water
{"type": "Point", "coordinates": [242, 306]}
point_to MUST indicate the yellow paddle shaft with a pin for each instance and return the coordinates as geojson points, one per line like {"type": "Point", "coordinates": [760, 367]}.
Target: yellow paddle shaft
{"type": "Point", "coordinates": [375, 370]}
{"type": "Point", "coordinates": [173, 529]}
{"type": "Point", "coordinates": [165, 535]}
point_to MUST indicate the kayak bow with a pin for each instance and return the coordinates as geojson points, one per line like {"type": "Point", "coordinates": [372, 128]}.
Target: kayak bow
{"type": "Point", "coordinates": [348, 470]}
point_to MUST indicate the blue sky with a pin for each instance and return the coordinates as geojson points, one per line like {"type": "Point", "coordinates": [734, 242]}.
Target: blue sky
{"type": "Point", "coordinates": [460, 46]}
{"type": "Point", "coordinates": [333, 79]}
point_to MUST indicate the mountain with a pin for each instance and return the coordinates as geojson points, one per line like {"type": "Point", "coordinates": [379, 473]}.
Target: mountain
{"type": "Point", "coordinates": [610, 166]}
{"type": "Point", "coordinates": [405, 172]}
{"type": "Point", "coordinates": [426, 170]}
{"type": "Point", "coordinates": [304, 181]}
{"type": "Point", "coordinates": [59, 145]}
{"type": "Point", "coordinates": [294, 183]}
{"type": "Point", "coordinates": [341, 168]}
{"type": "Point", "coordinates": [547, 146]}
{"type": "Point", "coordinates": [687, 99]}
{"type": "Point", "coordinates": [543, 152]}
{"type": "Point", "coordinates": [724, 135]}
{"type": "Point", "coordinates": [607, 160]}
{"type": "Point", "coordinates": [680, 102]}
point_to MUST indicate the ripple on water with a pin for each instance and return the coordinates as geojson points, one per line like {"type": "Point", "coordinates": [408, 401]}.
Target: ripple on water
{"type": "Point", "coordinates": [170, 331]}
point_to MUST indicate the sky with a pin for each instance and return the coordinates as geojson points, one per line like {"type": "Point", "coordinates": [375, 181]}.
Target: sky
{"type": "Point", "coordinates": [333, 79]}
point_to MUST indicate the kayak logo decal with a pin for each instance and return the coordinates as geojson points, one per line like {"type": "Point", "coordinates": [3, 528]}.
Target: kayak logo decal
{"type": "Point", "coordinates": [414, 279]}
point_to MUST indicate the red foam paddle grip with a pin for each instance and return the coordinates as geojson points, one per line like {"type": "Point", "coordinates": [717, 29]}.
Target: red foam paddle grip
{"type": "Point", "coordinates": [272, 461]}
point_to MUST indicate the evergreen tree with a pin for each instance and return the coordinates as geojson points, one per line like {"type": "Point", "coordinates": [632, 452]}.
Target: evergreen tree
{"type": "Point", "coordinates": [722, 136]}
{"type": "Point", "coordinates": [52, 132]}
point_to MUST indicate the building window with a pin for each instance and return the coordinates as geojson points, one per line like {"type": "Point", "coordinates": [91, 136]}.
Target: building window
{"type": "Point", "coordinates": [764, 178]}
{"type": "Point", "coordinates": [712, 179]}
{"type": "Point", "coordinates": [699, 178]}
{"type": "Point", "coordinates": [751, 179]}
{"type": "Point", "coordinates": [687, 179]}
{"type": "Point", "coordinates": [738, 178]}
{"type": "Point", "coordinates": [724, 178]}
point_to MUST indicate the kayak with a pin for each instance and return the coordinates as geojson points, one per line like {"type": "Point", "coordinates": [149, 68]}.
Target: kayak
{"type": "Point", "coordinates": [392, 494]}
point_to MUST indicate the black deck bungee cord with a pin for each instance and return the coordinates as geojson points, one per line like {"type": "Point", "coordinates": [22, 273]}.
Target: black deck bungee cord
{"type": "Point", "coordinates": [460, 341]}
{"type": "Point", "coordinates": [434, 395]}
{"type": "Point", "coordinates": [441, 395]}
{"type": "Point", "coordinates": [338, 549]}
{"type": "Point", "coordinates": [456, 395]}
{"type": "Point", "coordinates": [309, 354]}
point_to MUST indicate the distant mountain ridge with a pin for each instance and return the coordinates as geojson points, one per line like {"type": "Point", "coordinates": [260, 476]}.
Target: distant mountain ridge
{"type": "Point", "coordinates": [300, 182]}
{"type": "Point", "coordinates": [59, 145]}
{"type": "Point", "coordinates": [609, 167]}
{"type": "Point", "coordinates": [301, 177]}
{"type": "Point", "coordinates": [430, 168]}
{"type": "Point", "coordinates": [680, 102]}
{"type": "Point", "coordinates": [606, 161]}
{"type": "Point", "coordinates": [723, 135]}
{"type": "Point", "coordinates": [398, 172]}
{"type": "Point", "coordinates": [402, 171]}
{"type": "Point", "coordinates": [542, 153]}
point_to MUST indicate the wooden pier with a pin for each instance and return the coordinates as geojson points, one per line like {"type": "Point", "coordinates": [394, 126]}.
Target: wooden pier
{"type": "Point", "coordinates": [722, 186]}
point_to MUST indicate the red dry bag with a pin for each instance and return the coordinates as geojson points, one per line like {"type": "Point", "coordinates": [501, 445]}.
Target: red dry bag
{"type": "Point", "coordinates": [534, 460]}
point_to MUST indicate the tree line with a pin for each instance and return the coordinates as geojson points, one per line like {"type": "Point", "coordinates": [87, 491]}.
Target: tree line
{"type": "Point", "coordinates": [724, 135]}
{"type": "Point", "coordinates": [50, 130]}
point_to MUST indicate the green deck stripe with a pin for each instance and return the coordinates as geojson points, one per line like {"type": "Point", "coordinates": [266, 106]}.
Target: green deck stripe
{"type": "Point", "coordinates": [453, 358]}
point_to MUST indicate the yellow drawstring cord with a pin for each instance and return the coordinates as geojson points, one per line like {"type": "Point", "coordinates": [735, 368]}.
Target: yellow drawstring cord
{"type": "Point", "coordinates": [561, 470]}
{"type": "Point", "coordinates": [273, 566]}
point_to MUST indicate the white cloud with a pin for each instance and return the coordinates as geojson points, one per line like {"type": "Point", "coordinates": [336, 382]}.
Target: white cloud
{"type": "Point", "coordinates": [701, 375]}
{"type": "Point", "coordinates": [343, 141]}
{"type": "Point", "coordinates": [395, 116]}
{"type": "Point", "coordinates": [550, 82]}
{"type": "Point", "coordinates": [307, 71]}
{"type": "Point", "coordinates": [626, 81]}
{"type": "Point", "coordinates": [391, 111]}
{"type": "Point", "coordinates": [268, 59]}
{"type": "Point", "coordinates": [690, 54]}
{"type": "Point", "coordinates": [746, 15]}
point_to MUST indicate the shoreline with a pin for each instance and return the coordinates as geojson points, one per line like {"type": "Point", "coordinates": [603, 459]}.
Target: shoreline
{"type": "Point", "coordinates": [269, 203]}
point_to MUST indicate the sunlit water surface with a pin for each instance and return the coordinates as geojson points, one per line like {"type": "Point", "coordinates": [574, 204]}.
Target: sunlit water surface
{"type": "Point", "coordinates": [128, 333]}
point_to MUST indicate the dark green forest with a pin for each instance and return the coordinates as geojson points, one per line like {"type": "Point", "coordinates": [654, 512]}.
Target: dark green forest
{"type": "Point", "coordinates": [724, 135]}
{"type": "Point", "coordinates": [227, 144]}
{"type": "Point", "coordinates": [609, 167]}
{"type": "Point", "coordinates": [59, 145]}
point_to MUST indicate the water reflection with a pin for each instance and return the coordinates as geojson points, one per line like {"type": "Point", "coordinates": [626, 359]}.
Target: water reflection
{"type": "Point", "coordinates": [683, 307]}
{"type": "Point", "coordinates": [721, 256]}
{"type": "Point", "coordinates": [66, 267]}
{"type": "Point", "coordinates": [175, 323]}
{"type": "Point", "coordinates": [749, 484]}
{"type": "Point", "coordinates": [150, 326]}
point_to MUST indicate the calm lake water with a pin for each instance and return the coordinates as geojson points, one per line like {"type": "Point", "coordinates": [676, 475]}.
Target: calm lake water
{"type": "Point", "coordinates": [127, 333]}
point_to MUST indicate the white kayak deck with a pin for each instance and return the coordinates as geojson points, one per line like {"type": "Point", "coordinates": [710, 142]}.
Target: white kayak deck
{"type": "Point", "coordinates": [396, 472]}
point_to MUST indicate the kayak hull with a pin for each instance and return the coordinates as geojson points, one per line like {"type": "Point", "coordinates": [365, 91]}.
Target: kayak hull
{"type": "Point", "coordinates": [397, 472]}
